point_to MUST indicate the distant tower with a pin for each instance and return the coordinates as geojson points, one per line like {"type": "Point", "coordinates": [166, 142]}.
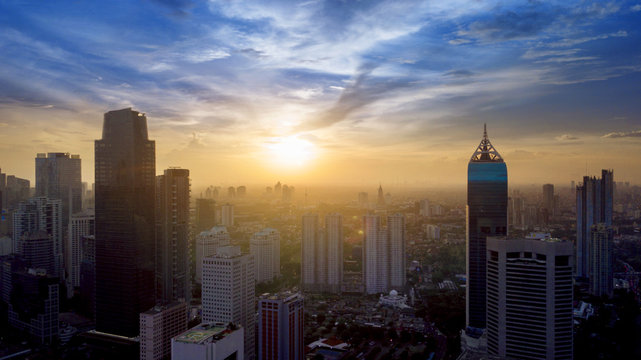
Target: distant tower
{"type": "Point", "coordinates": [58, 176]}
{"type": "Point", "coordinates": [309, 247]}
{"type": "Point", "coordinates": [207, 243]}
{"type": "Point", "coordinates": [601, 260]}
{"type": "Point", "coordinates": [381, 197]}
{"type": "Point", "coordinates": [227, 215]}
{"type": "Point", "coordinates": [80, 225]}
{"type": "Point", "coordinates": [593, 206]}
{"type": "Point", "coordinates": [265, 246]}
{"type": "Point", "coordinates": [486, 216]}
{"type": "Point", "coordinates": [205, 214]}
{"type": "Point", "coordinates": [125, 222]}
{"type": "Point", "coordinates": [172, 236]}
{"type": "Point", "coordinates": [280, 327]}
{"type": "Point", "coordinates": [383, 254]}
{"type": "Point", "coordinates": [396, 240]}
{"type": "Point", "coordinates": [334, 239]}
{"type": "Point", "coordinates": [548, 199]}
{"type": "Point", "coordinates": [322, 253]}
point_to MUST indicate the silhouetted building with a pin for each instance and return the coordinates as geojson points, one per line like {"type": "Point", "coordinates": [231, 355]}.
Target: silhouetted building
{"type": "Point", "coordinates": [548, 199]}
{"type": "Point", "coordinates": [529, 298]}
{"type": "Point", "coordinates": [88, 276]}
{"type": "Point", "coordinates": [380, 201]}
{"type": "Point", "coordinates": [486, 216]}
{"type": "Point", "coordinates": [227, 215]}
{"type": "Point", "coordinates": [363, 199]}
{"type": "Point", "coordinates": [241, 191]}
{"type": "Point", "coordinates": [601, 264]}
{"type": "Point", "coordinates": [205, 214]}
{"type": "Point", "coordinates": [13, 190]}
{"type": "Point", "coordinates": [280, 327]}
{"type": "Point", "coordinates": [125, 224]}
{"type": "Point", "coordinates": [172, 237]}
{"type": "Point", "coordinates": [58, 176]}
{"type": "Point", "coordinates": [36, 249]}
{"type": "Point", "coordinates": [593, 206]}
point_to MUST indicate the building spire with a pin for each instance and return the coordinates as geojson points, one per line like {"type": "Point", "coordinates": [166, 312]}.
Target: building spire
{"type": "Point", "coordinates": [486, 152]}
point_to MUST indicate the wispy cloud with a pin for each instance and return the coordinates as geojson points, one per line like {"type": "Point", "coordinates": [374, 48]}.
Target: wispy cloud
{"type": "Point", "coordinates": [615, 135]}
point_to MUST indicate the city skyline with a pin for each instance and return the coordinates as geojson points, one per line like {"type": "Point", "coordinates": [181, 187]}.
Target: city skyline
{"type": "Point", "coordinates": [551, 80]}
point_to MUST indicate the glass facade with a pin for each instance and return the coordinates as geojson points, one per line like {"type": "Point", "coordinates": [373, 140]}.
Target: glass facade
{"type": "Point", "coordinates": [486, 216]}
{"type": "Point", "coordinates": [125, 225]}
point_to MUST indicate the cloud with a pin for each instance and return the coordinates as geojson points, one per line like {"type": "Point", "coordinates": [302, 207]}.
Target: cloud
{"type": "Point", "coordinates": [510, 25]}
{"type": "Point", "coordinates": [575, 41]}
{"type": "Point", "coordinates": [636, 8]}
{"type": "Point", "coordinates": [459, 73]}
{"type": "Point", "coordinates": [566, 137]}
{"type": "Point", "coordinates": [614, 135]}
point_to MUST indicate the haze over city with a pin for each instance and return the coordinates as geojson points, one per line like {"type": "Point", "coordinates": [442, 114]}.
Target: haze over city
{"type": "Point", "coordinates": [316, 92]}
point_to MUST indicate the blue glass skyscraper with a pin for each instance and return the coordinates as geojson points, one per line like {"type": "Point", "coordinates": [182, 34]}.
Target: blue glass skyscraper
{"type": "Point", "coordinates": [486, 216]}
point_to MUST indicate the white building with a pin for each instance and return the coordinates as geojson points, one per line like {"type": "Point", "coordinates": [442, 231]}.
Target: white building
{"type": "Point", "coordinates": [157, 326]}
{"type": "Point", "coordinates": [396, 240]}
{"type": "Point", "coordinates": [334, 239]}
{"type": "Point", "coordinates": [322, 253]}
{"type": "Point", "coordinates": [217, 341]}
{"type": "Point", "coordinates": [227, 215]}
{"type": "Point", "coordinates": [309, 243]}
{"type": "Point", "coordinates": [383, 254]}
{"type": "Point", "coordinates": [80, 224]}
{"type": "Point", "coordinates": [265, 246]}
{"type": "Point", "coordinates": [228, 291]}
{"type": "Point", "coordinates": [529, 298]}
{"type": "Point", "coordinates": [207, 242]}
{"type": "Point", "coordinates": [433, 232]}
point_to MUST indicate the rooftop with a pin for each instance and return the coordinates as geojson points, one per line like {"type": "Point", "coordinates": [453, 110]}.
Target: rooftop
{"type": "Point", "coordinates": [206, 333]}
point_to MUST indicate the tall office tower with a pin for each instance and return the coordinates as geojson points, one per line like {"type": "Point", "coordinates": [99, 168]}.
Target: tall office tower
{"type": "Point", "coordinates": [310, 253]}
{"type": "Point", "coordinates": [363, 199]}
{"type": "Point", "coordinates": [36, 249]}
{"type": "Point", "coordinates": [58, 176]}
{"type": "Point", "coordinates": [375, 256]}
{"type": "Point", "coordinates": [280, 327]}
{"type": "Point", "coordinates": [80, 225]}
{"type": "Point", "coordinates": [593, 206]}
{"type": "Point", "coordinates": [172, 236]}
{"type": "Point", "coordinates": [227, 215]}
{"type": "Point", "coordinates": [380, 201]}
{"type": "Point", "coordinates": [229, 291]}
{"type": "Point", "coordinates": [334, 241]}
{"type": "Point", "coordinates": [486, 216]}
{"type": "Point", "coordinates": [396, 240]}
{"type": "Point", "coordinates": [529, 298]}
{"type": "Point", "coordinates": [14, 190]}
{"type": "Point", "coordinates": [265, 246]}
{"type": "Point", "coordinates": [41, 214]}
{"type": "Point", "coordinates": [33, 307]}
{"type": "Point", "coordinates": [207, 243]}
{"type": "Point", "coordinates": [88, 276]}
{"type": "Point", "coordinates": [215, 341]}
{"type": "Point", "coordinates": [205, 214]}
{"type": "Point", "coordinates": [601, 260]}
{"type": "Point", "coordinates": [278, 189]}
{"type": "Point", "coordinates": [125, 222]}
{"type": "Point", "coordinates": [322, 253]}
{"type": "Point", "coordinates": [548, 199]}
{"type": "Point", "coordinates": [157, 326]}
{"type": "Point", "coordinates": [231, 192]}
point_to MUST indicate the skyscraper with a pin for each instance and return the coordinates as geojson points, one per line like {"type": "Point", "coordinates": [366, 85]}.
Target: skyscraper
{"type": "Point", "coordinates": [593, 206]}
{"type": "Point", "coordinates": [125, 222]}
{"type": "Point", "coordinates": [172, 236]}
{"type": "Point", "coordinates": [486, 216]}
{"type": "Point", "coordinates": [205, 214]}
{"type": "Point", "coordinates": [280, 327]}
{"type": "Point", "coordinates": [157, 326]}
{"type": "Point", "coordinates": [265, 246]}
{"type": "Point", "coordinates": [529, 298]}
{"type": "Point", "coordinates": [229, 291]}
{"type": "Point", "coordinates": [548, 199]}
{"type": "Point", "coordinates": [322, 253]}
{"type": "Point", "coordinates": [80, 225]}
{"type": "Point", "coordinates": [207, 243]}
{"type": "Point", "coordinates": [383, 254]}
{"type": "Point", "coordinates": [380, 201]}
{"type": "Point", "coordinates": [396, 239]}
{"type": "Point", "coordinates": [58, 176]}
{"type": "Point", "coordinates": [601, 276]}
{"type": "Point", "coordinates": [227, 215]}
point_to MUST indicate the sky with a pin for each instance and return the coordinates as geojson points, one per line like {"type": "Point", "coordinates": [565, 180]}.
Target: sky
{"type": "Point", "coordinates": [329, 92]}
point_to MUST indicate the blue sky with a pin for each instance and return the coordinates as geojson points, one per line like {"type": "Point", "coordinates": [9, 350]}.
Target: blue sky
{"type": "Point", "coordinates": [378, 87]}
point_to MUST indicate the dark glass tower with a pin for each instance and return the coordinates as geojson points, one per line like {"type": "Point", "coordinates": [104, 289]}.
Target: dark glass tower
{"type": "Point", "coordinates": [125, 225]}
{"type": "Point", "coordinates": [486, 216]}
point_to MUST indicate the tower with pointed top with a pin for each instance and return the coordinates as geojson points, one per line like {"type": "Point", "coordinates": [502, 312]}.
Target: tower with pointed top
{"type": "Point", "coordinates": [381, 196]}
{"type": "Point", "coordinates": [486, 216]}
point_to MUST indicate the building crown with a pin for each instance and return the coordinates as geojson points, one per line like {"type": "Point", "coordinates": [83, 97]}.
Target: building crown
{"type": "Point", "coordinates": [486, 152]}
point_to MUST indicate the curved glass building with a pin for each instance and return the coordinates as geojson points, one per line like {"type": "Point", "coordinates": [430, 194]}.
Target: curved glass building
{"type": "Point", "coordinates": [486, 216]}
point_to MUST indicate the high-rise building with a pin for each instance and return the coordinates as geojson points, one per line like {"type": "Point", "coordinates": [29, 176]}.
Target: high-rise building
{"type": "Point", "coordinates": [172, 236]}
{"type": "Point", "coordinates": [207, 243]}
{"type": "Point", "coordinates": [157, 326]}
{"type": "Point", "coordinates": [125, 222]}
{"type": "Point", "coordinates": [593, 206]}
{"type": "Point", "coordinates": [529, 298]}
{"type": "Point", "coordinates": [36, 249]}
{"type": "Point", "coordinates": [215, 341]}
{"type": "Point", "coordinates": [58, 176]}
{"type": "Point", "coordinates": [88, 276]}
{"type": "Point", "coordinates": [265, 246]}
{"type": "Point", "coordinates": [34, 304]}
{"type": "Point", "coordinates": [80, 225]}
{"type": "Point", "coordinates": [486, 216]}
{"type": "Point", "coordinates": [280, 327]}
{"type": "Point", "coordinates": [228, 292]}
{"type": "Point", "coordinates": [41, 214]}
{"type": "Point", "coordinates": [383, 254]}
{"type": "Point", "coordinates": [548, 199]}
{"type": "Point", "coordinates": [227, 215]}
{"type": "Point", "coordinates": [363, 199]}
{"type": "Point", "coordinates": [322, 253]}
{"type": "Point", "coordinates": [241, 191]}
{"type": "Point", "coordinates": [12, 191]}
{"type": "Point", "coordinates": [380, 201]}
{"type": "Point", "coordinates": [601, 277]}
{"type": "Point", "coordinates": [205, 214]}
{"type": "Point", "coordinates": [231, 192]}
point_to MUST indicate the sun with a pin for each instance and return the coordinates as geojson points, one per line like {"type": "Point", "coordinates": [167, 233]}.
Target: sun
{"type": "Point", "coordinates": [290, 151]}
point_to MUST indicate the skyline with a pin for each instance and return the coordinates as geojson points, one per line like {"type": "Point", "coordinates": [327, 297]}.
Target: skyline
{"type": "Point", "coordinates": [228, 88]}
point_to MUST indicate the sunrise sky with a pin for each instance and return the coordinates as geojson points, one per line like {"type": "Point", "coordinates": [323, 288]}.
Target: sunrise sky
{"type": "Point", "coordinates": [329, 91]}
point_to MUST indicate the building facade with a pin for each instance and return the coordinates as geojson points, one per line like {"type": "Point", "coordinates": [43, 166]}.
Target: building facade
{"type": "Point", "coordinates": [228, 292]}
{"type": "Point", "coordinates": [209, 341]}
{"type": "Point", "coordinates": [80, 225]}
{"type": "Point", "coordinates": [486, 216]}
{"type": "Point", "coordinates": [265, 246]}
{"type": "Point", "coordinates": [322, 253]}
{"type": "Point", "coordinates": [158, 326]}
{"type": "Point", "coordinates": [280, 327]}
{"type": "Point", "coordinates": [125, 222]}
{"type": "Point", "coordinates": [601, 260]}
{"type": "Point", "coordinates": [207, 242]}
{"type": "Point", "coordinates": [529, 298]}
{"type": "Point", "coordinates": [58, 176]}
{"type": "Point", "coordinates": [383, 254]}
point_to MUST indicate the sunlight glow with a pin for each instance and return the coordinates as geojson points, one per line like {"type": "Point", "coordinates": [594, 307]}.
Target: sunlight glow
{"type": "Point", "coordinates": [290, 151]}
